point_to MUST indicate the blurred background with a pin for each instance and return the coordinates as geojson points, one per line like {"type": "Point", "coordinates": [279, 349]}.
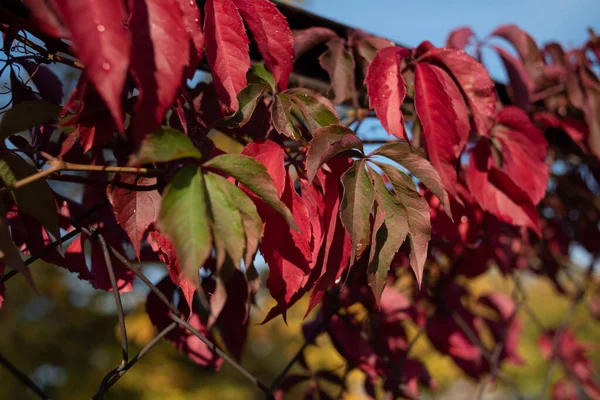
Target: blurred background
{"type": "Point", "coordinates": [66, 337]}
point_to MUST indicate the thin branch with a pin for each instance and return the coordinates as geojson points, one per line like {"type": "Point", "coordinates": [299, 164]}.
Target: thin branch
{"type": "Point", "coordinates": [84, 180]}
{"type": "Point", "coordinates": [117, 296]}
{"type": "Point", "coordinates": [57, 165]}
{"type": "Point", "coordinates": [113, 377]}
{"type": "Point", "coordinates": [224, 355]}
{"type": "Point", "coordinates": [23, 378]}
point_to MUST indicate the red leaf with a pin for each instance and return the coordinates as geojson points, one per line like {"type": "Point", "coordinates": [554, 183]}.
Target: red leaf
{"type": "Point", "coordinates": [233, 319]}
{"type": "Point", "coordinates": [271, 155]}
{"type": "Point", "coordinates": [306, 39]}
{"type": "Point", "coordinates": [339, 64]}
{"type": "Point", "coordinates": [496, 192]}
{"type": "Point", "coordinates": [181, 338]}
{"type": "Point", "coordinates": [157, 60]}
{"type": "Point", "coordinates": [102, 44]}
{"type": "Point", "coordinates": [473, 79]}
{"type": "Point", "coordinates": [507, 328]}
{"type": "Point", "coordinates": [287, 252]}
{"type": "Point", "coordinates": [438, 124]}
{"type": "Point", "coordinates": [191, 19]}
{"type": "Point", "coordinates": [463, 125]}
{"type": "Point", "coordinates": [387, 89]}
{"type": "Point", "coordinates": [273, 37]}
{"type": "Point", "coordinates": [459, 38]}
{"type": "Point", "coordinates": [226, 49]}
{"type": "Point", "coordinates": [45, 17]}
{"type": "Point", "coordinates": [521, 82]}
{"type": "Point", "coordinates": [523, 151]}
{"type": "Point", "coordinates": [576, 129]}
{"type": "Point", "coordinates": [135, 210]}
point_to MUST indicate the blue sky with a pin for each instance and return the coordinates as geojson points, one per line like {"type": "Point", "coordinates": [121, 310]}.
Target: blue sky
{"type": "Point", "coordinates": [410, 22]}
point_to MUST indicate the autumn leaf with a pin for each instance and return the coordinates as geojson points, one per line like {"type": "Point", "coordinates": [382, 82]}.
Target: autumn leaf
{"type": "Point", "coordinates": [339, 64]}
{"type": "Point", "coordinates": [165, 145]}
{"type": "Point", "coordinates": [387, 89]}
{"type": "Point", "coordinates": [183, 217]}
{"type": "Point", "coordinates": [328, 142]}
{"type": "Point", "coordinates": [27, 115]}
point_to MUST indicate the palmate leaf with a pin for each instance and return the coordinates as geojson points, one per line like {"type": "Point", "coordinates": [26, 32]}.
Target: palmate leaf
{"type": "Point", "coordinates": [416, 162]}
{"type": "Point", "coordinates": [356, 205]}
{"type": "Point", "coordinates": [327, 142]}
{"type": "Point", "coordinates": [417, 212]}
{"type": "Point", "coordinates": [255, 177]}
{"type": "Point", "coordinates": [166, 145]}
{"type": "Point", "coordinates": [183, 218]}
{"type": "Point", "coordinates": [389, 232]}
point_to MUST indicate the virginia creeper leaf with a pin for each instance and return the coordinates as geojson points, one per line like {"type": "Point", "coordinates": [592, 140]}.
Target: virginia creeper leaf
{"type": "Point", "coordinates": [36, 198]}
{"type": "Point", "coordinates": [326, 143]}
{"type": "Point", "coordinates": [248, 98]}
{"type": "Point", "coordinates": [459, 38]}
{"type": "Point", "coordinates": [339, 64]}
{"type": "Point", "coordinates": [496, 192]}
{"type": "Point", "coordinates": [226, 222]}
{"type": "Point", "coordinates": [271, 155]}
{"type": "Point", "coordinates": [226, 49]}
{"type": "Point", "coordinates": [355, 209]}
{"type": "Point", "coordinates": [166, 145]}
{"type": "Point", "coordinates": [438, 124]}
{"type": "Point", "coordinates": [183, 218]}
{"type": "Point", "coordinates": [251, 221]}
{"type": "Point", "coordinates": [417, 211]}
{"type": "Point", "coordinates": [523, 151]}
{"type": "Point", "coordinates": [389, 232]}
{"type": "Point", "coordinates": [157, 60]}
{"type": "Point", "coordinates": [9, 254]}
{"type": "Point", "coordinates": [473, 79]}
{"type": "Point", "coordinates": [191, 20]}
{"type": "Point", "coordinates": [387, 89]}
{"type": "Point", "coordinates": [255, 177]}
{"type": "Point", "coordinates": [272, 35]}
{"type": "Point", "coordinates": [520, 81]}
{"type": "Point", "coordinates": [47, 83]}
{"type": "Point", "coordinates": [25, 115]}
{"type": "Point", "coordinates": [316, 109]}
{"type": "Point", "coordinates": [283, 121]}
{"type": "Point", "coordinates": [102, 44]}
{"type": "Point", "coordinates": [135, 210]}
{"type": "Point", "coordinates": [306, 39]}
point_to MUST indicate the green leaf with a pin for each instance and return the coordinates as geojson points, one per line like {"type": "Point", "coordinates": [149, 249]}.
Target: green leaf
{"type": "Point", "coordinates": [356, 205]}
{"type": "Point", "coordinates": [166, 145]}
{"type": "Point", "coordinates": [36, 198]}
{"type": "Point", "coordinates": [26, 115]}
{"type": "Point", "coordinates": [327, 142]}
{"type": "Point", "coordinates": [416, 162]}
{"type": "Point", "coordinates": [282, 118]}
{"type": "Point", "coordinates": [390, 230]}
{"type": "Point", "coordinates": [183, 218]}
{"type": "Point", "coordinates": [248, 98]}
{"type": "Point", "coordinates": [226, 222]}
{"type": "Point", "coordinates": [253, 225]}
{"type": "Point", "coordinates": [417, 210]}
{"type": "Point", "coordinates": [255, 177]}
{"type": "Point", "coordinates": [316, 109]}
{"type": "Point", "coordinates": [260, 74]}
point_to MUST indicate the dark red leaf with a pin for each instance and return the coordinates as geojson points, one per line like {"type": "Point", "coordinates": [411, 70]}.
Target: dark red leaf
{"type": "Point", "coordinates": [474, 81]}
{"type": "Point", "coordinates": [157, 60]}
{"type": "Point", "coordinates": [339, 64]}
{"type": "Point", "coordinates": [47, 83]}
{"type": "Point", "coordinates": [387, 89]}
{"type": "Point", "coordinates": [102, 44]}
{"type": "Point", "coordinates": [135, 210]}
{"type": "Point", "coordinates": [191, 19]}
{"type": "Point", "coordinates": [438, 124]}
{"type": "Point", "coordinates": [496, 192]}
{"type": "Point", "coordinates": [523, 151]}
{"type": "Point", "coordinates": [233, 319]}
{"type": "Point", "coordinates": [459, 38]}
{"type": "Point", "coordinates": [306, 39]}
{"type": "Point", "coordinates": [45, 15]}
{"type": "Point", "coordinates": [520, 81]}
{"type": "Point", "coordinates": [226, 49]}
{"type": "Point", "coordinates": [272, 35]}
{"type": "Point", "coordinates": [271, 155]}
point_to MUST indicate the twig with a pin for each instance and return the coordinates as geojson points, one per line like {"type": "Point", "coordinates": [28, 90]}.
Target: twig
{"type": "Point", "coordinates": [117, 296]}
{"type": "Point", "coordinates": [92, 181]}
{"type": "Point", "coordinates": [23, 378]}
{"type": "Point", "coordinates": [113, 377]}
{"type": "Point", "coordinates": [224, 355]}
{"type": "Point", "coordinates": [57, 165]}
